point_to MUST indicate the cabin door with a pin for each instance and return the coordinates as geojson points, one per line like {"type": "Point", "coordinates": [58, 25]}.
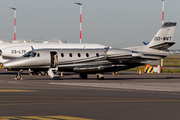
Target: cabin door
{"type": "Point", "coordinates": [54, 59]}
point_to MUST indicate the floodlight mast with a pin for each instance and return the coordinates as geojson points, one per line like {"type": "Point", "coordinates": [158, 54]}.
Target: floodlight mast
{"type": "Point", "coordinates": [14, 22]}
{"type": "Point", "coordinates": [163, 12]}
{"type": "Point", "coordinates": [80, 18]}
{"type": "Point", "coordinates": [162, 24]}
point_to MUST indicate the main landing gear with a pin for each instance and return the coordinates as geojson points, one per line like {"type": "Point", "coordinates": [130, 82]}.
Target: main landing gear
{"type": "Point", "coordinates": [116, 73]}
{"type": "Point", "coordinates": [100, 76]}
{"type": "Point", "coordinates": [37, 72]}
{"type": "Point", "coordinates": [18, 76]}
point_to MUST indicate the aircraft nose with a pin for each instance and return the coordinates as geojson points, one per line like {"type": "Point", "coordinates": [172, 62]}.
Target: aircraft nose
{"type": "Point", "coordinates": [8, 65]}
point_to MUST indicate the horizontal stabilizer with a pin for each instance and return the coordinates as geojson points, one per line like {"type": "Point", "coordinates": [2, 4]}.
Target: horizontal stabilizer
{"type": "Point", "coordinates": [145, 43]}
{"type": "Point", "coordinates": [162, 46]}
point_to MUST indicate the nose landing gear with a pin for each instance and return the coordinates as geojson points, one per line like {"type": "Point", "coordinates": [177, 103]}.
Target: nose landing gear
{"type": "Point", "coordinates": [18, 76]}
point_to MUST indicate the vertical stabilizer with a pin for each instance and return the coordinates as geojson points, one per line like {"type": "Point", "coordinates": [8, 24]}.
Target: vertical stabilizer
{"type": "Point", "coordinates": [163, 38]}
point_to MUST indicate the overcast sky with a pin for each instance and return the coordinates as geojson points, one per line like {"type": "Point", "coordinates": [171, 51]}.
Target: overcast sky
{"type": "Point", "coordinates": [116, 23]}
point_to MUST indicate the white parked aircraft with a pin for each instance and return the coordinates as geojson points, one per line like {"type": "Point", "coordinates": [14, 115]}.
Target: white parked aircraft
{"type": "Point", "coordinates": [97, 61]}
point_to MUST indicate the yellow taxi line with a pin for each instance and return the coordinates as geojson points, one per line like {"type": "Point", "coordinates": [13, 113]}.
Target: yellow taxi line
{"type": "Point", "coordinates": [43, 118]}
{"type": "Point", "coordinates": [15, 90]}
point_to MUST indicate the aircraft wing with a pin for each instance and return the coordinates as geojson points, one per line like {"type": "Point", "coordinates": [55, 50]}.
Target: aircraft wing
{"type": "Point", "coordinates": [99, 68]}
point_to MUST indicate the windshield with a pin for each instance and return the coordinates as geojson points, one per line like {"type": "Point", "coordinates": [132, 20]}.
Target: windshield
{"type": "Point", "coordinates": [33, 55]}
{"type": "Point", "coordinates": [28, 54]}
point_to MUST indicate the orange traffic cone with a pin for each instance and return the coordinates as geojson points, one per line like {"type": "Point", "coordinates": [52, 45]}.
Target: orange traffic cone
{"type": "Point", "coordinates": [61, 74]}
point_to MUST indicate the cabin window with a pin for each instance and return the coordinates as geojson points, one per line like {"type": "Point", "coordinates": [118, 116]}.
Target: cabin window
{"type": "Point", "coordinates": [70, 54]}
{"type": "Point", "coordinates": [79, 55]}
{"type": "Point", "coordinates": [87, 55]}
{"type": "Point", "coordinates": [62, 54]}
{"type": "Point", "coordinates": [97, 54]}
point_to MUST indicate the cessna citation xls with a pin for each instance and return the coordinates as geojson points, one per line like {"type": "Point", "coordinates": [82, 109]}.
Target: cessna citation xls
{"type": "Point", "coordinates": [97, 61]}
{"type": "Point", "coordinates": [13, 50]}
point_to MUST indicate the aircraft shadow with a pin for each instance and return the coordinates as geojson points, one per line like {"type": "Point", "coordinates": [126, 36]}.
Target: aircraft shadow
{"type": "Point", "coordinates": [95, 79]}
{"type": "Point", "coordinates": [121, 76]}
{"type": "Point", "coordinates": [12, 73]}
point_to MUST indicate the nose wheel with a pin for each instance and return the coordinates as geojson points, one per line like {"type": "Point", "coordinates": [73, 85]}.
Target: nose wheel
{"type": "Point", "coordinates": [18, 76]}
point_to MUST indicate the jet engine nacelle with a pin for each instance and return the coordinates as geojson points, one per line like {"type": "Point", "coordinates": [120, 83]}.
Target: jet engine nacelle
{"type": "Point", "coordinates": [15, 51]}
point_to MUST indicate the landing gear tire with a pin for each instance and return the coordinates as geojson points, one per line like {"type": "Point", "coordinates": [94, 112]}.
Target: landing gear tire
{"type": "Point", "coordinates": [83, 76]}
{"type": "Point", "coordinates": [100, 76]}
{"type": "Point", "coordinates": [18, 77]}
{"type": "Point", "coordinates": [43, 73]}
{"type": "Point", "coordinates": [116, 73]}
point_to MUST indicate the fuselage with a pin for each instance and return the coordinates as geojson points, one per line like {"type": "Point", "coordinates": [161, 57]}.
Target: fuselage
{"type": "Point", "coordinates": [70, 59]}
{"type": "Point", "coordinates": [13, 50]}
{"type": "Point", "coordinates": [81, 60]}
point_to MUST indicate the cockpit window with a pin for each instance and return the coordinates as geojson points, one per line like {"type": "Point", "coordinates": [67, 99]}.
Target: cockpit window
{"type": "Point", "coordinates": [32, 54]}
{"type": "Point", "coordinates": [28, 54]}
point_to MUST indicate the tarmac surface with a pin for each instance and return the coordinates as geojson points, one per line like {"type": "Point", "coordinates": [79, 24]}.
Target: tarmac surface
{"type": "Point", "coordinates": [125, 96]}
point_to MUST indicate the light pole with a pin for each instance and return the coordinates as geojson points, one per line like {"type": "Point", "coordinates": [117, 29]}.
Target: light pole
{"type": "Point", "coordinates": [162, 24]}
{"type": "Point", "coordinates": [14, 22]}
{"type": "Point", "coordinates": [80, 18]}
{"type": "Point", "coordinates": [163, 12]}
